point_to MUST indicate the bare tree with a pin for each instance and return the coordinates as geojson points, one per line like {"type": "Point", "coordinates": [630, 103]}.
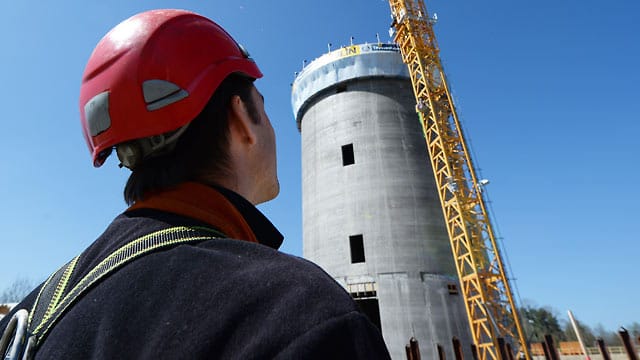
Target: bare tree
{"type": "Point", "coordinates": [16, 291]}
{"type": "Point", "coordinates": [585, 332]}
{"type": "Point", "coordinates": [634, 329]}
{"type": "Point", "coordinates": [610, 337]}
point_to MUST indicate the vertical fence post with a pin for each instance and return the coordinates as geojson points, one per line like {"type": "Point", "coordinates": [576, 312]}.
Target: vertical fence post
{"type": "Point", "coordinates": [547, 354]}
{"type": "Point", "coordinates": [628, 346]}
{"type": "Point", "coordinates": [509, 351]}
{"type": "Point", "coordinates": [603, 349]}
{"type": "Point", "coordinates": [441, 354]}
{"type": "Point", "coordinates": [502, 349]}
{"type": "Point", "coordinates": [407, 350]}
{"type": "Point", "coordinates": [474, 352]}
{"type": "Point", "coordinates": [415, 349]}
{"type": "Point", "coordinates": [457, 348]}
{"type": "Point", "coordinates": [551, 347]}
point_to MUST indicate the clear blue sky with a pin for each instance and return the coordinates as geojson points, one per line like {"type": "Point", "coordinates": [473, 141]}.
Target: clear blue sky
{"type": "Point", "coordinates": [547, 91]}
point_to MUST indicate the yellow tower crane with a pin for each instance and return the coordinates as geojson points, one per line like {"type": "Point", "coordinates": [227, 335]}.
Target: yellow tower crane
{"type": "Point", "coordinates": [493, 319]}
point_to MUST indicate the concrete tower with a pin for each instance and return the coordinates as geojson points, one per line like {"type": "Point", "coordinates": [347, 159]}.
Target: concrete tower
{"type": "Point", "coordinates": [371, 214]}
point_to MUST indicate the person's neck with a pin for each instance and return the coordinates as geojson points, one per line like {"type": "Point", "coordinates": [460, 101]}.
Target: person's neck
{"type": "Point", "coordinates": [233, 183]}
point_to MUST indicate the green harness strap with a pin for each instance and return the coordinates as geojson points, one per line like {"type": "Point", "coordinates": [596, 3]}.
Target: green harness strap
{"type": "Point", "coordinates": [55, 297]}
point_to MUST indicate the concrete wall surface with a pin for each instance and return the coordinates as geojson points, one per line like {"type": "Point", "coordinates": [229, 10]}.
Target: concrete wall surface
{"type": "Point", "coordinates": [386, 197]}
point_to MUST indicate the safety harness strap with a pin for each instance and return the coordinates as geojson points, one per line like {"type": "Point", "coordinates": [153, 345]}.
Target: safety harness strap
{"type": "Point", "coordinates": [52, 291]}
{"type": "Point", "coordinates": [55, 297]}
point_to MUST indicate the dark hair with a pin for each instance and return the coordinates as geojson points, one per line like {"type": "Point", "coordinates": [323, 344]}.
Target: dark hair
{"type": "Point", "coordinates": [201, 150]}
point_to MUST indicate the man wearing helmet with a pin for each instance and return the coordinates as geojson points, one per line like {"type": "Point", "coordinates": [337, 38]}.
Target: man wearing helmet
{"type": "Point", "coordinates": [191, 269]}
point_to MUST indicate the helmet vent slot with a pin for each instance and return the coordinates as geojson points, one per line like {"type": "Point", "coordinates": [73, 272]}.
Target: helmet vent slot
{"type": "Point", "coordinates": [96, 111]}
{"type": "Point", "coordinates": [160, 93]}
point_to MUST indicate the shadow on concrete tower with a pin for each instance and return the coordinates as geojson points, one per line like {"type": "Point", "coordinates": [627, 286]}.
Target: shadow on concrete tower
{"type": "Point", "coordinates": [371, 214]}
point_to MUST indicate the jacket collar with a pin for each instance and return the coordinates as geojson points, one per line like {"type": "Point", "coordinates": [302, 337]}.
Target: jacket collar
{"type": "Point", "coordinates": [221, 208]}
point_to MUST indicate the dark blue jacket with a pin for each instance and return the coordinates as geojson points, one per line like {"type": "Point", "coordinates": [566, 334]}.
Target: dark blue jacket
{"type": "Point", "coordinates": [217, 299]}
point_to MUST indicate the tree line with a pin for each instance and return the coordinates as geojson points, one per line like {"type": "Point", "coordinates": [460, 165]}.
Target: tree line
{"type": "Point", "coordinates": [539, 321]}
{"type": "Point", "coordinates": [17, 290]}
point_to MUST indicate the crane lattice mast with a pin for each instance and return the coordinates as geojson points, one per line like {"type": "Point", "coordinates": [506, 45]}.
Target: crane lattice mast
{"type": "Point", "coordinates": [488, 299]}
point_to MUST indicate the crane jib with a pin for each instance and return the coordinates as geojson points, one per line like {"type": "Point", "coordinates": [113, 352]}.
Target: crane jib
{"type": "Point", "coordinates": [493, 318]}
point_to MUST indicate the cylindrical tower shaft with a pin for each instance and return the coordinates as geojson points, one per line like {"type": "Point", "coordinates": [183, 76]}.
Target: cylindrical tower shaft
{"type": "Point", "coordinates": [371, 213]}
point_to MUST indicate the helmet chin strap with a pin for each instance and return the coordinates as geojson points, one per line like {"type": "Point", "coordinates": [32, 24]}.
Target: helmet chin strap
{"type": "Point", "coordinates": [132, 153]}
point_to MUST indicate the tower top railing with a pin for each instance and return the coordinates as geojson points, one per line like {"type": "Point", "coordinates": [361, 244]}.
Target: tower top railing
{"type": "Point", "coordinates": [343, 64]}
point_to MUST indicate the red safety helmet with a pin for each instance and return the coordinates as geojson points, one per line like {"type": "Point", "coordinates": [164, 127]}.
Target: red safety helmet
{"type": "Point", "coordinates": [153, 74]}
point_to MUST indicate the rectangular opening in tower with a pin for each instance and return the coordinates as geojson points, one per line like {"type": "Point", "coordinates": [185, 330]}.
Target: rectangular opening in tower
{"type": "Point", "coordinates": [453, 289]}
{"type": "Point", "coordinates": [371, 309]}
{"type": "Point", "coordinates": [356, 243]}
{"type": "Point", "coordinates": [347, 155]}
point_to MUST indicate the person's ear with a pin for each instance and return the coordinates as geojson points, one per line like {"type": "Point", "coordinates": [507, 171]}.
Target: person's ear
{"type": "Point", "coordinates": [240, 122]}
